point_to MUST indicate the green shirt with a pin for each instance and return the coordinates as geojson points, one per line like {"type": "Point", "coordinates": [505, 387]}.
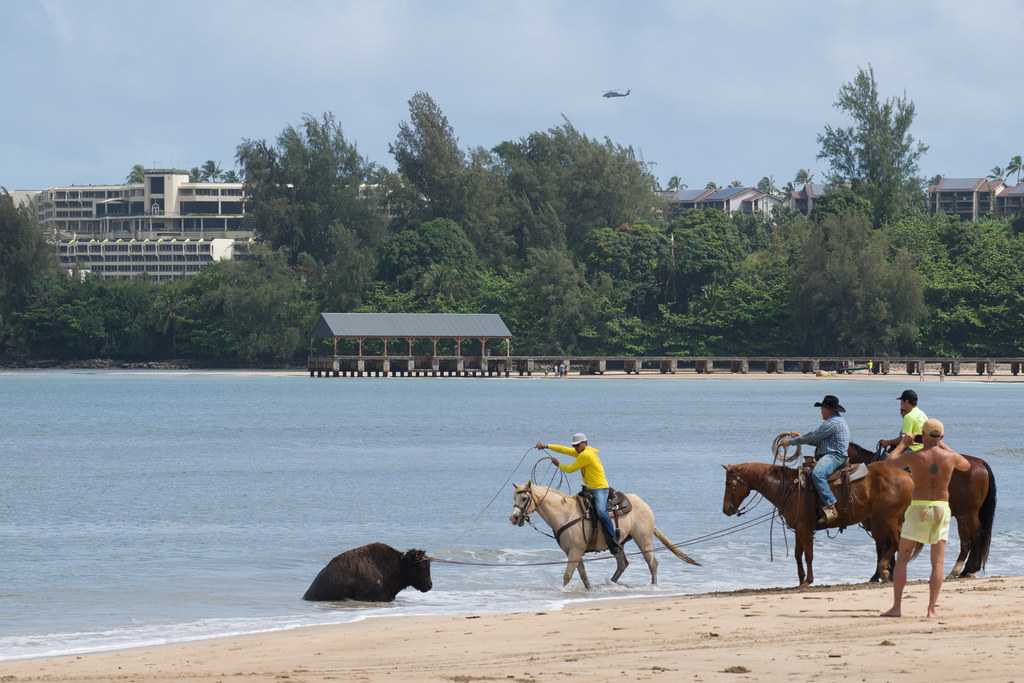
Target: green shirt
{"type": "Point", "coordinates": [913, 424]}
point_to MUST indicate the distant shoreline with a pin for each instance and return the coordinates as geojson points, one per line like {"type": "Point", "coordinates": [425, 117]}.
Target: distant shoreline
{"type": "Point", "coordinates": [182, 369]}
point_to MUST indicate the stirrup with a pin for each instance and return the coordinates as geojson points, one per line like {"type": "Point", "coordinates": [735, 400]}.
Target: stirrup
{"type": "Point", "coordinates": [826, 518]}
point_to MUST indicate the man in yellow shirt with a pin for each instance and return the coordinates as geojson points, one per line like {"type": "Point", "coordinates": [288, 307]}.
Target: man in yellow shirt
{"type": "Point", "coordinates": [913, 424]}
{"type": "Point", "coordinates": [588, 460]}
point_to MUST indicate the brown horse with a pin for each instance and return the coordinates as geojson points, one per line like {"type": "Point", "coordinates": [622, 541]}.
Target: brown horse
{"type": "Point", "coordinates": [877, 501]}
{"type": "Point", "coordinates": [972, 501]}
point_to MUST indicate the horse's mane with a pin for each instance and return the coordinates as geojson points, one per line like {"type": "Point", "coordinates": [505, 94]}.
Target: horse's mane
{"type": "Point", "coordinates": [861, 449]}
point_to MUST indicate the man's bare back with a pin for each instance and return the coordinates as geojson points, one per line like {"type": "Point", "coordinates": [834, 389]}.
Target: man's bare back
{"type": "Point", "coordinates": [932, 468]}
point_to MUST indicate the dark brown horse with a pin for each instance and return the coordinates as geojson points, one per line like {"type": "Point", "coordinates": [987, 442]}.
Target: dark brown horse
{"type": "Point", "coordinates": [877, 501]}
{"type": "Point", "coordinates": [972, 501]}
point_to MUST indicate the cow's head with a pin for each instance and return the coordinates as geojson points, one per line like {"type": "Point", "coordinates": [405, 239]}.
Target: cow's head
{"type": "Point", "coordinates": [416, 570]}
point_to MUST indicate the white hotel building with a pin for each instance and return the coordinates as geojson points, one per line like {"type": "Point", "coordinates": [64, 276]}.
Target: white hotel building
{"type": "Point", "coordinates": [162, 229]}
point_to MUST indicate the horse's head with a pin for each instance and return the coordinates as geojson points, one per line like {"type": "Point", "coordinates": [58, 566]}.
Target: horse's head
{"type": "Point", "coordinates": [736, 490]}
{"type": "Point", "coordinates": [522, 503]}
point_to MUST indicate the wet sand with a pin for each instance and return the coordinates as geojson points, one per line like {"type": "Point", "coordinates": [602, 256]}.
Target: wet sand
{"type": "Point", "coordinates": [820, 634]}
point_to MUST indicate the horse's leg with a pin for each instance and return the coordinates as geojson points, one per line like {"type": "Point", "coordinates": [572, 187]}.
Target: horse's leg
{"type": "Point", "coordinates": [798, 552]}
{"type": "Point", "coordinates": [808, 544]}
{"type": "Point", "coordinates": [967, 527]}
{"type": "Point", "coordinates": [646, 545]}
{"type": "Point", "coordinates": [574, 562]}
{"type": "Point", "coordinates": [582, 569]}
{"type": "Point", "coordinates": [881, 551]}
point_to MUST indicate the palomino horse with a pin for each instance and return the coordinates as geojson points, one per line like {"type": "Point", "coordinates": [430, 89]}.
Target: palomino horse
{"type": "Point", "coordinates": [877, 501]}
{"type": "Point", "coordinates": [562, 514]}
{"type": "Point", "coordinates": [972, 501]}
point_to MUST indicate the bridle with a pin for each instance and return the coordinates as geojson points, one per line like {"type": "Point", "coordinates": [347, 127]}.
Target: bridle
{"type": "Point", "coordinates": [733, 478]}
{"type": "Point", "coordinates": [523, 509]}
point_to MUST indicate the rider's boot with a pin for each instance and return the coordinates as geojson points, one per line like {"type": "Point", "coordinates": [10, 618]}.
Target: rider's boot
{"type": "Point", "coordinates": [828, 515]}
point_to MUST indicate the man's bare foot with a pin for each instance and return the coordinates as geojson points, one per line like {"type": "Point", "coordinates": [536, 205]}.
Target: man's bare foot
{"type": "Point", "coordinates": [893, 612]}
{"type": "Point", "coordinates": [933, 611]}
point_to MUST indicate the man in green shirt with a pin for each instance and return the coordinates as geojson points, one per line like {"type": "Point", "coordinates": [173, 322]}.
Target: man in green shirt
{"type": "Point", "coordinates": [913, 422]}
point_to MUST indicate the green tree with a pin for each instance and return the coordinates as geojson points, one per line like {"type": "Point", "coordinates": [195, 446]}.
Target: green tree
{"type": "Point", "coordinates": [306, 184]}
{"type": "Point", "coordinates": [853, 292]}
{"type": "Point", "coordinates": [428, 156]}
{"type": "Point", "coordinates": [136, 175]}
{"type": "Point", "coordinates": [997, 173]}
{"type": "Point", "coordinates": [705, 248]}
{"type": "Point", "coordinates": [408, 255]}
{"type": "Point", "coordinates": [877, 155]}
{"type": "Point", "coordinates": [25, 259]}
{"type": "Point", "coordinates": [210, 171]}
{"type": "Point", "coordinates": [1015, 165]}
{"type": "Point", "coordinates": [803, 176]}
{"type": "Point", "coordinates": [564, 184]}
{"type": "Point", "coordinates": [195, 175]}
{"type": "Point", "coordinates": [636, 259]}
{"type": "Point", "coordinates": [675, 183]}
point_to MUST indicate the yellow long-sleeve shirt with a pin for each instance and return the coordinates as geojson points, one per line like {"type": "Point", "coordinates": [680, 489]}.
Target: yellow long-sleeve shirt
{"type": "Point", "coordinates": [588, 461]}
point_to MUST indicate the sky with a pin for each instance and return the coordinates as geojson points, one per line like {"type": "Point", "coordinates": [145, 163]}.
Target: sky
{"type": "Point", "coordinates": [720, 90]}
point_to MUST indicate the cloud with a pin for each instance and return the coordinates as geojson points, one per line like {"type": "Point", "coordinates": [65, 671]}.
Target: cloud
{"type": "Point", "coordinates": [720, 90]}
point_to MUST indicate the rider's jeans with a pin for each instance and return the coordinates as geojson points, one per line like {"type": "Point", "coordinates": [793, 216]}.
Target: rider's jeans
{"type": "Point", "coordinates": [829, 463]}
{"type": "Point", "coordinates": [601, 505]}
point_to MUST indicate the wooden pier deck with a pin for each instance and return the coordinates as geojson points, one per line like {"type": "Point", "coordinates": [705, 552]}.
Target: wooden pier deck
{"type": "Point", "coordinates": [508, 365]}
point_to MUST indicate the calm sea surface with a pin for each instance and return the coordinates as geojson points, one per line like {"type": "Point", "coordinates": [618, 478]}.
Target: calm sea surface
{"type": "Point", "coordinates": [140, 508]}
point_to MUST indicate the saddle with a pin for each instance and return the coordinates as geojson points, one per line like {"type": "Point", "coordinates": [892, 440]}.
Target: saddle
{"type": "Point", "coordinates": [840, 481]}
{"type": "Point", "coordinates": [618, 504]}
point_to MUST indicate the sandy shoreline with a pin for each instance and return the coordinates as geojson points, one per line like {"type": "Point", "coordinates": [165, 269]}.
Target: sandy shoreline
{"type": "Point", "coordinates": [829, 633]}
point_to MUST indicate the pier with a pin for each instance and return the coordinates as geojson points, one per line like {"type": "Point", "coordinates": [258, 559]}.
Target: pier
{"type": "Point", "coordinates": [476, 365]}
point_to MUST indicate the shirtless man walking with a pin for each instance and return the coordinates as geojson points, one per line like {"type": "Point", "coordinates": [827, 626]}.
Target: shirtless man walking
{"type": "Point", "coordinates": [926, 521]}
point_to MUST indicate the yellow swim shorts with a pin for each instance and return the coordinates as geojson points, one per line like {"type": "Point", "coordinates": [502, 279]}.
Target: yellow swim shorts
{"type": "Point", "coordinates": [926, 521]}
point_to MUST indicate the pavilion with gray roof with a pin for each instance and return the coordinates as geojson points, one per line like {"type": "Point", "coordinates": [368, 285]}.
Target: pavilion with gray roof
{"type": "Point", "coordinates": [384, 331]}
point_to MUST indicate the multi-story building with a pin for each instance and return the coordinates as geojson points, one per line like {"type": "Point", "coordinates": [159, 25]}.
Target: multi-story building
{"type": "Point", "coordinates": [1010, 201]}
{"type": "Point", "coordinates": [163, 228]}
{"type": "Point", "coordinates": [165, 204]}
{"type": "Point", "coordinates": [160, 259]}
{"type": "Point", "coordinates": [968, 198]}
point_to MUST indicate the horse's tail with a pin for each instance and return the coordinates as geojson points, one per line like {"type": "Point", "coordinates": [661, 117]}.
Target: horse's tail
{"type": "Point", "coordinates": [672, 546]}
{"type": "Point", "coordinates": [983, 539]}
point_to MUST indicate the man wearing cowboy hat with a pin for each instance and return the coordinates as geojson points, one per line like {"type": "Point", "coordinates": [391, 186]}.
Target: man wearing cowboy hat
{"type": "Point", "coordinates": [588, 460]}
{"type": "Point", "coordinates": [830, 441]}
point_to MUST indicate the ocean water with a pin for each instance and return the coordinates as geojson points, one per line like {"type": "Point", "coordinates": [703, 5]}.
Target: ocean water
{"type": "Point", "coordinates": [142, 508]}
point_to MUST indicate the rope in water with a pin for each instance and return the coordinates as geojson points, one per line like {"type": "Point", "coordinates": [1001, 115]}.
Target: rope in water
{"type": "Point", "coordinates": [711, 536]}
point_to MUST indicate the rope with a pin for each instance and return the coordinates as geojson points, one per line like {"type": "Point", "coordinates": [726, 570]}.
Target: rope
{"type": "Point", "coordinates": [711, 536]}
{"type": "Point", "coordinates": [495, 496]}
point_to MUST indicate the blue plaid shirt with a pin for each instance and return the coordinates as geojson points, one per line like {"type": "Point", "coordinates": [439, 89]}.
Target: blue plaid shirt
{"type": "Point", "coordinates": [831, 437]}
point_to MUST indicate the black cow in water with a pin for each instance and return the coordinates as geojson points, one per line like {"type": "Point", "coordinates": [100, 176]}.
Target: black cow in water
{"type": "Point", "coordinates": [371, 573]}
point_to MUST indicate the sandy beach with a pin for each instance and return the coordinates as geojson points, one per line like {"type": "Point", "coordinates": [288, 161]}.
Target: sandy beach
{"type": "Point", "coordinates": [820, 634]}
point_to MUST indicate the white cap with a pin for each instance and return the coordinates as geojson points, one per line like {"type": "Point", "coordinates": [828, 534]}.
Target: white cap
{"type": "Point", "coordinates": [578, 437]}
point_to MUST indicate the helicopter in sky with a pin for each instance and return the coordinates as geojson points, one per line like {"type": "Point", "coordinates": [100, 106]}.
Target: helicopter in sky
{"type": "Point", "coordinates": [616, 93]}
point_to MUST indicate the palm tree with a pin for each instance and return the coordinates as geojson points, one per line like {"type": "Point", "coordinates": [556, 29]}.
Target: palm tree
{"type": "Point", "coordinates": [675, 183]}
{"type": "Point", "coordinates": [211, 171]}
{"type": "Point", "coordinates": [736, 183]}
{"type": "Point", "coordinates": [230, 177]}
{"type": "Point", "coordinates": [137, 174]}
{"type": "Point", "coordinates": [195, 175]}
{"type": "Point", "coordinates": [766, 185]}
{"type": "Point", "coordinates": [803, 177]}
{"type": "Point", "coordinates": [996, 173]}
{"type": "Point", "coordinates": [1015, 165]}
{"type": "Point", "coordinates": [712, 185]}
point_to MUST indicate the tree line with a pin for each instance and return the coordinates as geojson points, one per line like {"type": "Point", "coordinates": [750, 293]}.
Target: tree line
{"type": "Point", "coordinates": [562, 234]}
